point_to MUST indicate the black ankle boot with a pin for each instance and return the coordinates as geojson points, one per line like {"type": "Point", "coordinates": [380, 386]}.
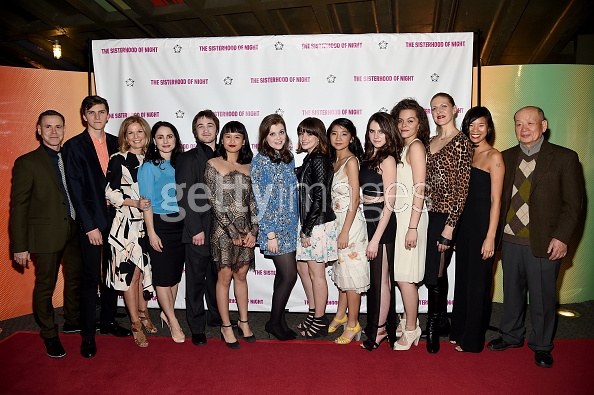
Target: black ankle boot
{"type": "Point", "coordinates": [433, 318]}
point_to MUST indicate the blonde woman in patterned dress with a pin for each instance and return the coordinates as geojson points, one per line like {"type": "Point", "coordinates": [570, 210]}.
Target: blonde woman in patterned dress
{"type": "Point", "coordinates": [130, 269]}
{"type": "Point", "coordinates": [350, 272]}
{"type": "Point", "coordinates": [235, 226]}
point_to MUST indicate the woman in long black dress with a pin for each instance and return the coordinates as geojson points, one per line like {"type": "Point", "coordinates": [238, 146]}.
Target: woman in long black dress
{"type": "Point", "coordinates": [475, 245]}
{"type": "Point", "coordinates": [377, 177]}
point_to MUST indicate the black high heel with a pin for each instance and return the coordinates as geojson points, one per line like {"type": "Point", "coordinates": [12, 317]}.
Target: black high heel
{"type": "Point", "coordinates": [308, 320]}
{"type": "Point", "coordinates": [318, 328]}
{"type": "Point", "coordinates": [375, 345]}
{"type": "Point", "coordinates": [279, 333]}
{"type": "Point", "coordinates": [235, 344]}
{"type": "Point", "coordinates": [249, 339]}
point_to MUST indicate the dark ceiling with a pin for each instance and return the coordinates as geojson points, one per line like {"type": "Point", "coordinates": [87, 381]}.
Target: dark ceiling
{"type": "Point", "coordinates": [513, 31]}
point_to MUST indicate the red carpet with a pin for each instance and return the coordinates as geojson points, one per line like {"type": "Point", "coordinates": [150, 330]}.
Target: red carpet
{"type": "Point", "coordinates": [299, 367]}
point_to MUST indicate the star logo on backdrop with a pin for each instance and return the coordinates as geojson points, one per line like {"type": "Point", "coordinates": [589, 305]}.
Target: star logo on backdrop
{"type": "Point", "coordinates": [383, 109]}
{"type": "Point", "coordinates": [434, 77]}
{"type": "Point", "coordinates": [279, 111]}
{"type": "Point", "coordinates": [228, 80]}
{"type": "Point", "coordinates": [331, 78]}
{"type": "Point", "coordinates": [383, 45]}
{"type": "Point", "coordinates": [279, 46]}
{"type": "Point", "coordinates": [129, 82]}
{"type": "Point", "coordinates": [177, 48]}
{"type": "Point", "coordinates": [179, 114]}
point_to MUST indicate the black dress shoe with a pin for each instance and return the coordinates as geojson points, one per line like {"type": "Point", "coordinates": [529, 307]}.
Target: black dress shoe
{"type": "Point", "coordinates": [88, 348]}
{"type": "Point", "coordinates": [199, 339]}
{"type": "Point", "coordinates": [70, 328]}
{"type": "Point", "coordinates": [544, 359]}
{"type": "Point", "coordinates": [115, 329]}
{"type": "Point", "coordinates": [499, 345]}
{"type": "Point", "coordinates": [54, 348]}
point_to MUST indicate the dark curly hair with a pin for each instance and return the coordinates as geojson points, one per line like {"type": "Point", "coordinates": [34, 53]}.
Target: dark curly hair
{"type": "Point", "coordinates": [245, 153]}
{"type": "Point", "coordinates": [412, 104]}
{"type": "Point", "coordinates": [152, 153]}
{"type": "Point", "coordinates": [472, 115]}
{"type": "Point", "coordinates": [354, 146]}
{"type": "Point", "coordinates": [284, 154]}
{"type": "Point", "coordinates": [393, 146]}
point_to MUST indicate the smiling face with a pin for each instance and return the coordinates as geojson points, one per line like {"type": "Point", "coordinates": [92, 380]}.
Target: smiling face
{"type": "Point", "coordinates": [51, 131]}
{"type": "Point", "coordinates": [96, 117]}
{"type": "Point", "coordinates": [529, 126]}
{"type": "Point", "coordinates": [376, 135]}
{"type": "Point", "coordinates": [340, 137]}
{"type": "Point", "coordinates": [277, 136]}
{"type": "Point", "coordinates": [308, 141]}
{"type": "Point", "coordinates": [206, 130]}
{"type": "Point", "coordinates": [408, 125]}
{"type": "Point", "coordinates": [442, 110]}
{"type": "Point", "coordinates": [165, 141]}
{"type": "Point", "coordinates": [136, 136]}
{"type": "Point", "coordinates": [233, 142]}
{"type": "Point", "coordinates": [477, 130]}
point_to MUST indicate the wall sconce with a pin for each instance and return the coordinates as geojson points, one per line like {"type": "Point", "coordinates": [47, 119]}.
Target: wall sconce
{"type": "Point", "coordinates": [57, 48]}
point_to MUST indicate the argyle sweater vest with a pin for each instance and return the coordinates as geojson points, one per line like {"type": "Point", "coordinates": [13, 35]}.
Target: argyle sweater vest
{"type": "Point", "coordinates": [517, 221]}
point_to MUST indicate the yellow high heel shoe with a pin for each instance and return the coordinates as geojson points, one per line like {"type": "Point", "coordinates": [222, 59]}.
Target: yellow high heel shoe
{"type": "Point", "coordinates": [412, 337]}
{"type": "Point", "coordinates": [342, 321]}
{"type": "Point", "coordinates": [345, 340]}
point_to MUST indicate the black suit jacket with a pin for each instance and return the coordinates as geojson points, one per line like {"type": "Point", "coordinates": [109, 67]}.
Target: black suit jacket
{"type": "Point", "coordinates": [86, 181]}
{"type": "Point", "coordinates": [193, 197]}
{"type": "Point", "coordinates": [556, 194]}
{"type": "Point", "coordinates": [38, 213]}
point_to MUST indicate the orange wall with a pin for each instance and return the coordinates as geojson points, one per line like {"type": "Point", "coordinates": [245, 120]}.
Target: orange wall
{"type": "Point", "coordinates": [25, 93]}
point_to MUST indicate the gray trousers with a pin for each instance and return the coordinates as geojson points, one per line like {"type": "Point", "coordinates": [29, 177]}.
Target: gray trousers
{"type": "Point", "coordinates": [523, 272]}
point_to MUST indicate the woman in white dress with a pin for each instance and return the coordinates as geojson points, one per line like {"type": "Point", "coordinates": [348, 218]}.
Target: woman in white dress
{"type": "Point", "coordinates": [350, 272]}
{"type": "Point", "coordinates": [411, 216]}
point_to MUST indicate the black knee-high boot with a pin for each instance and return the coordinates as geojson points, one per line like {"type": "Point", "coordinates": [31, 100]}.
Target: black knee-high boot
{"type": "Point", "coordinates": [444, 323]}
{"type": "Point", "coordinates": [433, 318]}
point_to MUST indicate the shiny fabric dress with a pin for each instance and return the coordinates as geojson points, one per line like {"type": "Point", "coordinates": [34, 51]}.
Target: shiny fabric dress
{"type": "Point", "coordinates": [472, 294]}
{"type": "Point", "coordinates": [234, 213]}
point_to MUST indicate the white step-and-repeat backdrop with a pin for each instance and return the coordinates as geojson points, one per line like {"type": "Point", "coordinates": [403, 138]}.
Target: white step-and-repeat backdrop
{"type": "Point", "coordinates": [247, 78]}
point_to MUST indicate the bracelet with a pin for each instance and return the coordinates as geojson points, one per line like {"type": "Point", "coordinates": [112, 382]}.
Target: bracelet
{"type": "Point", "coordinates": [412, 228]}
{"type": "Point", "coordinates": [445, 241]}
{"type": "Point", "coordinates": [270, 238]}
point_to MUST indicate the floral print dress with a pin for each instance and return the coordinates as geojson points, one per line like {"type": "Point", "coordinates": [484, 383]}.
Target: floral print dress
{"type": "Point", "coordinates": [351, 271]}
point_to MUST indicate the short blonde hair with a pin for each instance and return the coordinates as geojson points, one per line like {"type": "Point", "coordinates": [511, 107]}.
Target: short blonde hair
{"type": "Point", "coordinates": [123, 144]}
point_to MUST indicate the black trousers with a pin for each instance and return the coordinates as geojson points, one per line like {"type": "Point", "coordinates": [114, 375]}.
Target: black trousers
{"type": "Point", "coordinates": [201, 280]}
{"type": "Point", "coordinates": [47, 267]}
{"type": "Point", "coordinates": [95, 263]}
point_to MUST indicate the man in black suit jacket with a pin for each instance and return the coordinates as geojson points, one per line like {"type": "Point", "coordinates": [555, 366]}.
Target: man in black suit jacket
{"type": "Point", "coordinates": [201, 274]}
{"type": "Point", "coordinates": [87, 155]}
{"type": "Point", "coordinates": [42, 225]}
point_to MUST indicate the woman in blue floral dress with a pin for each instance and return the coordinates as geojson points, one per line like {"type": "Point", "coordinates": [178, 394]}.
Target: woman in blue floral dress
{"type": "Point", "coordinates": [275, 187]}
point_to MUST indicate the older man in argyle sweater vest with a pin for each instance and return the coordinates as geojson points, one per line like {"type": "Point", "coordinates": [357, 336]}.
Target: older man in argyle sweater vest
{"type": "Point", "coordinates": [543, 190]}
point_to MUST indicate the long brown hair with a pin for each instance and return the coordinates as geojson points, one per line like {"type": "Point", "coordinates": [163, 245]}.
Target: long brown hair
{"type": "Point", "coordinates": [374, 157]}
{"type": "Point", "coordinates": [412, 104]}
{"type": "Point", "coordinates": [314, 127]}
{"type": "Point", "coordinates": [284, 154]}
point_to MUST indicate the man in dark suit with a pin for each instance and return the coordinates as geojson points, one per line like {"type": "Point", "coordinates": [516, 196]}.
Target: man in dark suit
{"type": "Point", "coordinates": [87, 155]}
{"type": "Point", "coordinates": [543, 190]}
{"type": "Point", "coordinates": [42, 225]}
{"type": "Point", "coordinates": [201, 274]}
